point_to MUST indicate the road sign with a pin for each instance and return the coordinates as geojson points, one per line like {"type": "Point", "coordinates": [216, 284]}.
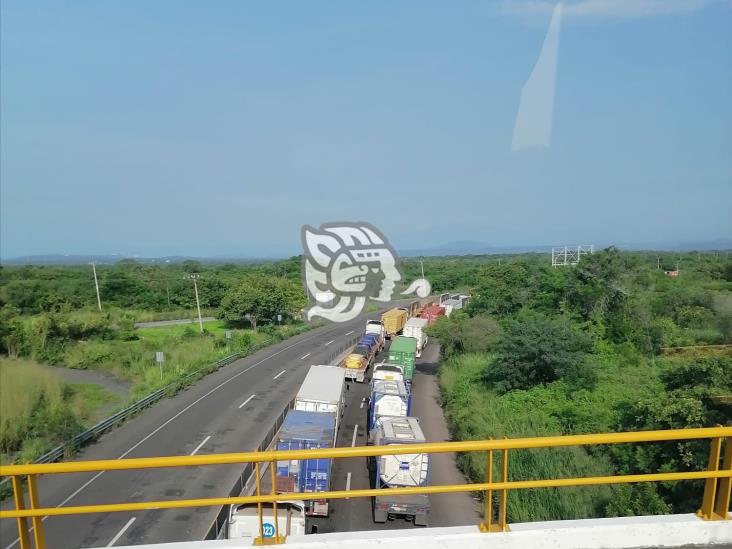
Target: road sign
{"type": "Point", "coordinates": [268, 530]}
{"type": "Point", "coordinates": [279, 319]}
{"type": "Point", "coordinates": [228, 334]}
{"type": "Point", "coordinates": [159, 357]}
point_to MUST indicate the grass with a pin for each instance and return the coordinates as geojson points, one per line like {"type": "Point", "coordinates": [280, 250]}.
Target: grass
{"type": "Point", "coordinates": [38, 410]}
{"type": "Point", "coordinates": [185, 349]}
{"type": "Point", "coordinates": [475, 412]}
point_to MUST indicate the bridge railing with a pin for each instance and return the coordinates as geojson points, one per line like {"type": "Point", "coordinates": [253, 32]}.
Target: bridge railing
{"type": "Point", "coordinates": [714, 505]}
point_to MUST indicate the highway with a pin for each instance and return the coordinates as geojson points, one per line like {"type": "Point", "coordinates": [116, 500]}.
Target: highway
{"type": "Point", "coordinates": [355, 514]}
{"type": "Point", "coordinates": [230, 410]}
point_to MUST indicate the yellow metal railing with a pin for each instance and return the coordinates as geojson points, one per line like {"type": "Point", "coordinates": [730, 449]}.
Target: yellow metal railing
{"type": "Point", "coordinates": [715, 503]}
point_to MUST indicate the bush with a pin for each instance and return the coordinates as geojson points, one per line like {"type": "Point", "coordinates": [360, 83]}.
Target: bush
{"type": "Point", "coordinates": [537, 349]}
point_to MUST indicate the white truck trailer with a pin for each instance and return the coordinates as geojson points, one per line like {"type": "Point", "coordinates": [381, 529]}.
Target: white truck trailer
{"type": "Point", "coordinates": [415, 328]}
{"type": "Point", "coordinates": [401, 470]}
{"type": "Point", "coordinates": [323, 391]}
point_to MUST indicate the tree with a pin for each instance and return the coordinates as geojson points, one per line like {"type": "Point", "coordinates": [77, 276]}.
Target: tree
{"type": "Point", "coordinates": [460, 333]}
{"type": "Point", "coordinates": [262, 299]}
{"type": "Point", "coordinates": [501, 290]}
{"type": "Point", "coordinates": [537, 349]}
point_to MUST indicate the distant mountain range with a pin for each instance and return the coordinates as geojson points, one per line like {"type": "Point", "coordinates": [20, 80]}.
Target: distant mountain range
{"type": "Point", "coordinates": [459, 247]}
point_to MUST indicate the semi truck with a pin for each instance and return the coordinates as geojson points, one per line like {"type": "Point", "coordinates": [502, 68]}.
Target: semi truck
{"type": "Point", "coordinates": [376, 327]}
{"type": "Point", "coordinates": [323, 391]}
{"type": "Point", "coordinates": [388, 372]}
{"type": "Point", "coordinates": [394, 320]}
{"type": "Point", "coordinates": [355, 366]}
{"type": "Point", "coordinates": [403, 350]}
{"type": "Point", "coordinates": [243, 521]}
{"type": "Point", "coordinates": [452, 305]}
{"type": "Point", "coordinates": [402, 470]}
{"type": "Point", "coordinates": [304, 431]}
{"type": "Point", "coordinates": [388, 399]}
{"type": "Point", "coordinates": [415, 328]}
{"type": "Point", "coordinates": [432, 313]}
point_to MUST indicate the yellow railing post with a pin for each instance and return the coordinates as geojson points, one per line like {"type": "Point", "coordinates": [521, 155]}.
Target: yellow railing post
{"type": "Point", "coordinates": [273, 476]}
{"type": "Point", "coordinates": [258, 482]}
{"type": "Point", "coordinates": [38, 537]}
{"type": "Point", "coordinates": [724, 488]}
{"type": "Point", "coordinates": [710, 485]}
{"type": "Point", "coordinates": [502, 520]}
{"type": "Point", "coordinates": [487, 525]}
{"type": "Point", "coordinates": [19, 499]}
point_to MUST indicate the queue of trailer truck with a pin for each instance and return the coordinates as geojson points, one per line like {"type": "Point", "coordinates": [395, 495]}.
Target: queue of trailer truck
{"type": "Point", "coordinates": [314, 419]}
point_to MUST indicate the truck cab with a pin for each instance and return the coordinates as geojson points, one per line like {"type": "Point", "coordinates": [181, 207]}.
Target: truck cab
{"type": "Point", "coordinates": [243, 522]}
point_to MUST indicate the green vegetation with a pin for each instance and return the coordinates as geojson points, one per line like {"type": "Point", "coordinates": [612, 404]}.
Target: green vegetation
{"type": "Point", "coordinates": [49, 315]}
{"type": "Point", "coordinates": [543, 351]}
{"type": "Point", "coordinates": [38, 410]}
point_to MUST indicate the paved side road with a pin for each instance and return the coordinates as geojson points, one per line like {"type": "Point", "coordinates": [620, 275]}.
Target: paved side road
{"type": "Point", "coordinates": [157, 323]}
{"type": "Point", "coordinates": [228, 411]}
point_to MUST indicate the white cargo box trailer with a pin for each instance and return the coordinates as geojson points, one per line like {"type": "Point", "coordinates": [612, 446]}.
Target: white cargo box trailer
{"type": "Point", "coordinates": [323, 391]}
{"type": "Point", "coordinates": [415, 328]}
{"type": "Point", "coordinates": [452, 305]}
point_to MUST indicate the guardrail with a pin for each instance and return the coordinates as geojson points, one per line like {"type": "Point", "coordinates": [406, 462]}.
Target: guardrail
{"type": "Point", "coordinates": [714, 506]}
{"type": "Point", "coordinates": [93, 432]}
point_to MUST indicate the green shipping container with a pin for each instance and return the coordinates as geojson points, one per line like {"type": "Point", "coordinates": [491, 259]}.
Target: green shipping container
{"type": "Point", "coordinates": [403, 350]}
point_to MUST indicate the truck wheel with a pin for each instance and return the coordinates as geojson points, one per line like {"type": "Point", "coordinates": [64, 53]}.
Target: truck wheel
{"type": "Point", "coordinates": [420, 520]}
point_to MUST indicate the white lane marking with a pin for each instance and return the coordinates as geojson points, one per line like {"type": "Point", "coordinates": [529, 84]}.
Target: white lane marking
{"type": "Point", "coordinates": [205, 440]}
{"type": "Point", "coordinates": [363, 401]}
{"type": "Point", "coordinates": [349, 333]}
{"type": "Point", "coordinates": [348, 482]}
{"type": "Point", "coordinates": [305, 356]}
{"type": "Point", "coordinates": [115, 539]}
{"type": "Point", "coordinates": [331, 341]}
{"type": "Point", "coordinates": [278, 375]}
{"type": "Point", "coordinates": [355, 430]}
{"type": "Point", "coordinates": [246, 402]}
{"type": "Point", "coordinates": [176, 416]}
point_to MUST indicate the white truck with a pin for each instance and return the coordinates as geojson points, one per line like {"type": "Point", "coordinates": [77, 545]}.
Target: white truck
{"type": "Point", "coordinates": [415, 328]}
{"type": "Point", "coordinates": [323, 391]}
{"type": "Point", "coordinates": [388, 372]}
{"type": "Point", "coordinates": [452, 305]}
{"type": "Point", "coordinates": [243, 522]}
{"type": "Point", "coordinates": [394, 471]}
{"type": "Point", "coordinates": [376, 327]}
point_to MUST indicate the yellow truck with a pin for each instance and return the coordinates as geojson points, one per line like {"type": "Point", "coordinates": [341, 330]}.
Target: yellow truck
{"type": "Point", "coordinates": [394, 321]}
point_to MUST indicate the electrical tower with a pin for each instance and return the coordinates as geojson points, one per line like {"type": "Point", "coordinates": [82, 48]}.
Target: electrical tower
{"type": "Point", "coordinates": [569, 255]}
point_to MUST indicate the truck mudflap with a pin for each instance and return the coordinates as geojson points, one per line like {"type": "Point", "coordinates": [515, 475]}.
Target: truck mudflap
{"type": "Point", "coordinates": [416, 507]}
{"type": "Point", "coordinates": [317, 508]}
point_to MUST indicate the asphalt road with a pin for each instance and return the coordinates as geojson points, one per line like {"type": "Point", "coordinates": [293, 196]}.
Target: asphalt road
{"type": "Point", "coordinates": [355, 514]}
{"type": "Point", "coordinates": [230, 410]}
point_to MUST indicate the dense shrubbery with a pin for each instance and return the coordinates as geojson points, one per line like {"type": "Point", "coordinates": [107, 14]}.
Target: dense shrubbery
{"type": "Point", "coordinates": [576, 350]}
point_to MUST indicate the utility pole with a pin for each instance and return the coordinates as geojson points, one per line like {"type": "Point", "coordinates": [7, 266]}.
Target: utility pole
{"type": "Point", "coordinates": [194, 277]}
{"type": "Point", "coordinates": [96, 285]}
{"type": "Point", "coordinates": [167, 291]}
{"type": "Point", "coordinates": [421, 264]}
{"type": "Point", "coordinates": [658, 260]}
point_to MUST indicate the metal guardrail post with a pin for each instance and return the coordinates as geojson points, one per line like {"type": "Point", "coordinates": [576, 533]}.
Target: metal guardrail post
{"type": "Point", "coordinates": [502, 519]}
{"type": "Point", "coordinates": [710, 485]}
{"type": "Point", "coordinates": [721, 510]}
{"type": "Point", "coordinates": [19, 499]}
{"type": "Point", "coordinates": [487, 525]}
{"type": "Point", "coordinates": [38, 537]}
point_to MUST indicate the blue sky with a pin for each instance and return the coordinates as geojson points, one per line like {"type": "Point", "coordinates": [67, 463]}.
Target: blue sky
{"type": "Point", "coordinates": [159, 128]}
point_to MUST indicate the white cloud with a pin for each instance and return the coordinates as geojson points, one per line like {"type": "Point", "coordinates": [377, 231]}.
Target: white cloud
{"type": "Point", "coordinates": [615, 9]}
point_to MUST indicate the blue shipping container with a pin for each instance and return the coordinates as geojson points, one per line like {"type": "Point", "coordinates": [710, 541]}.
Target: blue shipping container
{"type": "Point", "coordinates": [302, 431]}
